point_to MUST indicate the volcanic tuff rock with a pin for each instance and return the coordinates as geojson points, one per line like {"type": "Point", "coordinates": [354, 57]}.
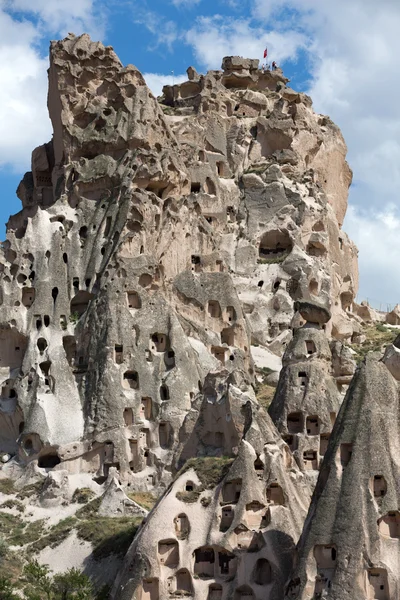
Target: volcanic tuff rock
{"type": "Point", "coordinates": [349, 546]}
{"type": "Point", "coordinates": [158, 243]}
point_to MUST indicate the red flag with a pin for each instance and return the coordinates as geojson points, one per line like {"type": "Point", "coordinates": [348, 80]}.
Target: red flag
{"type": "Point", "coordinates": [265, 53]}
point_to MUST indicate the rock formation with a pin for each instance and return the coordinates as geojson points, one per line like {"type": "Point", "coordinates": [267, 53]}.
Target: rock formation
{"type": "Point", "coordinates": [165, 252]}
{"type": "Point", "coordinates": [349, 546]}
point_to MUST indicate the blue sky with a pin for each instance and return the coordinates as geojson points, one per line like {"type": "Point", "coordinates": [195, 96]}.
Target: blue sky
{"type": "Point", "coordinates": [343, 53]}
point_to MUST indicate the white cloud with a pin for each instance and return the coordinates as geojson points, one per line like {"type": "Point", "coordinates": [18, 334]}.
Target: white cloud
{"type": "Point", "coordinates": [377, 234]}
{"type": "Point", "coordinates": [63, 16]}
{"type": "Point", "coordinates": [156, 81]}
{"type": "Point", "coordinates": [24, 121]}
{"type": "Point", "coordinates": [353, 48]}
{"type": "Point", "coordinates": [215, 37]}
{"type": "Point", "coordinates": [185, 3]}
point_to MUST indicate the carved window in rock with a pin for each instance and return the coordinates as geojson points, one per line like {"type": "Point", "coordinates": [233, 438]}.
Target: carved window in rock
{"type": "Point", "coordinates": [131, 380]}
{"type": "Point", "coordinates": [262, 574]}
{"type": "Point", "coordinates": [377, 584]}
{"type": "Point", "coordinates": [219, 353]}
{"type": "Point", "coordinates": [28, 296]}
{"type": "Point", "coordinates": [42, 345]}
{"type": "Point", "coordinates": [310, 347]}
{"type": "Point", "coordinates": [226, 563]}
{"type": "Point", "coordinates": [80, 302]}
{"type": "Point", "coordinates": [230, 314]}
{"type": "Point", "coordinates": [244, 593]}
{"type": "Point", "coordinates": [204, 562]}
{"type": "Point", "coordinates": [128, 417]}
{"type": "Point", "coordinates": [214, 592]}
{"type": "Point", "coordinates": [228, 336]}
{"type": "Point", "coordinates": [164, 392]}
{"type": "Point", "coordinates": [168, 553]}
{"type": "Point", "coordinates": [184, 583]}
{"type": "Point", "coordinates": [133, 300]}
{"type": "Point", "coordinates": [49, 460]}
{"type": "Point", "coordinates": [182, 526]}
{"type": "Point", "coordinates": [195, 187]}
{"type": "Point", "coordinates": [159, 342]}
{"type": "Point", "coordinates": [275, 244]}
{"type": "Point", "coordinates": [379, 486]}
{"type": "Point", "coordinates": [259, 467]}
{"type": "Point", "coordinates": [295, 422]}
{"type": "Point", "coordinates": [302, 378]}
{"type": "Point", "coordinates": [346, 451]}
{"type": "Point", "coordinates": [214, 309]}
{"type": "Point", "coordinates": [275, 494]}
{"type": "Point", "coordinates": [169, 359]}
{"type": "Point", "coordinates": [231, 491]}
{"type": "Point", "coordinates": [312, 425]}
{"type": "Point", "coordinates": [254, 514]}
{"type": "Point", "coordinates": [310, 460]}
{"type": "Point", "coordinates": [164, 434]}
{"type": "Point", "coordinates": [119, 354]}
{"type": "Point", "coordinates": [227, 515]}
{"type": "Point", "coordinates": [145, 408]}
{"type": "Point", "coordinates": [389, 524]}
{"type": "Point", "coordinates": [325, 558]}
{"type": "Point", "coordinates": [323, 443]}
{"type": "Point", "coordinates": [149, 589]}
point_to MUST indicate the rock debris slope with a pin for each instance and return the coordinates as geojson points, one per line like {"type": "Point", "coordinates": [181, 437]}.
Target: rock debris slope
{"type": "Point", "coordinates": [161, 244]}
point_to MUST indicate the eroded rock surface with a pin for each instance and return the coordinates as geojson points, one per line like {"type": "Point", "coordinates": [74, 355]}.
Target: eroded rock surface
{"type": "Point", "coordinates": [159, 241]}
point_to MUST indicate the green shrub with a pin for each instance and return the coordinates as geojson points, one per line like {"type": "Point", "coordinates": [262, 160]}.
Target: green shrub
{"type": "Point", "coordinates": [145, 499]}
{"type": "Point", "coordinates": [30, 490]}
{"type": "Point", "coordinates": [13, 504]}
{"type": "Point", "coordinates": [55, 535]}
{"type": "Point", "coordinates": [74, 317]}
{"type": "Point", "coordinates": [109, 535]}
{"type": "Point", "coordinates": [83, 495]}
{"type": "Point", "coordinates": [188, 497]}
{"type": "Point", "coordinates": [7, 486]}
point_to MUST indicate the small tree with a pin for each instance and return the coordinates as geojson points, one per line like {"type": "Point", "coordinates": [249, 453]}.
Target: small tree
{"type": "Point", "coordinates": [6, 590]}
{"type": "Point", "coordinates": [72, 585]}
{"type": "Point", "coordinates": [39, 581]}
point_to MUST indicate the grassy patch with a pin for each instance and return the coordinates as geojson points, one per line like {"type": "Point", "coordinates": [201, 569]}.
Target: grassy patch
{"type": "Point", "coordinates": [377, 338]}
{"type": "Point", "coordinates": [273, 259]}
{"type": "Point", "coordinates": [145, 499]}
{"type": "Point", "coordinates": [13, 504]}
{"type": "Point", "coordinates": [27, 534]}
{"type": "Point", "coordinates": [188, 497]}
{"type": "Point", "coordinates": [108, 535]}
{"type": "Point", "coordinates": [17, 532]}
{"type": "Point", "coordinates": [28, 491]}
{"type": "Point", "coordinates": [7, 486]}
{"type": "Point", "coordinates": [210, 470]}
{"type": "Point", "coordinates": [90, 510]}
{"type": "Point", "coordinates": [83, 495]}
{"type": "Point", "coordinates": [265, 394]}
{"type": "Point", "coordinates": [11, 567]}
{"type": "Point", "coordinates": [56, 534]}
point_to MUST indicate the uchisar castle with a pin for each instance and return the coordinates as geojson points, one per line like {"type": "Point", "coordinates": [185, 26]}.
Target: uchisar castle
{"type": "Point", "coordinates": [192, 403]}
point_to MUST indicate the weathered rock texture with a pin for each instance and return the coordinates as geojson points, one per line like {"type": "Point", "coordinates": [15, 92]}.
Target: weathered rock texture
{"type": "Point", "coordinates": [153, 247]}
{"type": "Point", "coordinates": [158, 242]}
{"type": "Point", "coordinates": [349, 547]}
{"type": "Point", "coordinates": [230, 540]}
{"type": "Point", "coordinates": [307, 398]}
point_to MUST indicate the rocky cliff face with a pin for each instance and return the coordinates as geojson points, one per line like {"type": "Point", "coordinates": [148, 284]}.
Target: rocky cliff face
{"type": "Point", "coordinates": [165, 251]}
